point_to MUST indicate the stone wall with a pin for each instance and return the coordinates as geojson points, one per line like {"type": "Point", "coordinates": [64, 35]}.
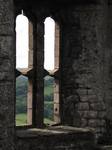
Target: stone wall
{"type": "Point", "coordinates": [7, 55]}
{"type": "Point", "coordinates": [85, 71]}
{"type": "Point", "coordinates": [83, 62]}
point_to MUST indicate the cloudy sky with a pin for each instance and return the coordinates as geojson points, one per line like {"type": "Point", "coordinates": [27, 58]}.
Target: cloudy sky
{"type": "Point", "coordinates": [22, 43]}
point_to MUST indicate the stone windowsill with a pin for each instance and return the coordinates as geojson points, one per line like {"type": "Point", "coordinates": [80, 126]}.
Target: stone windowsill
{"type": "Point", "coordinates": [108, 147]}
{"type": "Point", "coordinates": [49, 131]}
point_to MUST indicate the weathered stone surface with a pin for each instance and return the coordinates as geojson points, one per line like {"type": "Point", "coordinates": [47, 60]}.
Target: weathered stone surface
{"type": "Point", "coordinates": [88, 114]}
{"type": "Point", "coordinates": [59, 136]}
{"type": "Point", "coordinates": [101, 114]}
{"type": "Point", "coordinates": [83, 106]}
{"type": "Point", "coordinates": [96, 123]}
{"type": "Point", "coordinates": [98, 106]}
{"type": "Point", "coordinates": [84, 58]}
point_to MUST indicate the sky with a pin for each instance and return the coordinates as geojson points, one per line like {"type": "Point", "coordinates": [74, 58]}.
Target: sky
{"type": "Point", "coordinates": [22, 43]}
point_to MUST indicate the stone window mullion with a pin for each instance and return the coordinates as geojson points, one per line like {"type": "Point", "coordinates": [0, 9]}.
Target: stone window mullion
{"type": "Point", "coordinates": [39, 101]}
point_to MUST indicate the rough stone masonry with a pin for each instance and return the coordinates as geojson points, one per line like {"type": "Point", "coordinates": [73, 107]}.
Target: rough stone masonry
{"type": "Point", "coordinates": [84, 75]}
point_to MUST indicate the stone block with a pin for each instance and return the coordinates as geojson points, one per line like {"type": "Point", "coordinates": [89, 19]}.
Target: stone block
{"type": "Point", "coordinates": [56, 87]}
{"type": "Point", "coordinates": [56, 118]}
{"type": "Point", "coordinates": [30, 100]}
{"type": "Point", "coordinates": [31, 43]}
{"type": "Point", "coordinates": [57, 32]}
{"type": "Point", "coordinates": [91, 92]}
{"type": "Point", "coordinates": [98, 106]}
{"type": "Point", "coordinates": [96, 122]}
{"type": "Point", "coordinates": [83, 122]}
{"type": "Point", "coordinates": [97, 130]}
{"type": "Point", "coordinates": [72, 99]}
{"type": "Point", "coordinates": [84, 98]}
{"type": "Point", "coordinates": [92, 114]}
{"type": "Point", "coordinates": [93, 123]}
{"type": "Point", "coordinates": [29, 116]}
{"type": "Point", "coordinates": [30, 85]}
{"type": "Point", "coordinates": [57, 47]}
{"type": "Point", "coordinates": [30, 58]}
{"type": "Point", "coordinates": [56, 97]}
{"type": "Point", "coordinates": [93, 98]}
{"type": "Point", "coordinates": [56, 62]}
{"type": "Point", "coordinates": [82, 91]}
{"type": "Point", "coordinates": [89, 114]}
{"type": "Point", "coordinates": [101, 114]}
{"type": "Point", "coordinates": [83, 106]}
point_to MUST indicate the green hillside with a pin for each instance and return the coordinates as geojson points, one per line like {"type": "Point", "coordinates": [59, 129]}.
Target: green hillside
{"type": "Point", "coordinates": [21, 99]}
{"type": "Point", "coordinates": [48, 90]}
{"type": "Point", "coordinates": [21, 119]}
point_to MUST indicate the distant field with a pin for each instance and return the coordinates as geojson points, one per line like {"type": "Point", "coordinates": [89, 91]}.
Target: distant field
{"type": "Point", "coordinates": [48, 90]}
{"type": "Point", "coordinates": [21, 119]}
{"type": "Point", "coordinates": [47, 121]}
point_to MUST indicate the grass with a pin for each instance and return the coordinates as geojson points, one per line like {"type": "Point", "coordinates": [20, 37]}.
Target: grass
{"type": "Point", "coordinates": [47, 121]}
{"type": "Point", "coordinates": [48, 102]}
{"type": "Point", "coordinates": [48, 90]}
{"type": "Point", "coordinates": [21, 119]}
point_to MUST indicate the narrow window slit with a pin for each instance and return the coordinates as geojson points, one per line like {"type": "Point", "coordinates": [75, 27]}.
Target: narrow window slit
{"type": "Point", "coordinates": [51, 64]}
{"type": "Point", "coordinates": [22, 64]}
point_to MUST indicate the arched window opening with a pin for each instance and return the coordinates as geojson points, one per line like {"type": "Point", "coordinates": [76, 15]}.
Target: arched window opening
{"type": "Point", "coordinates": [39, 104]}
{"type": "Point", "coordinates": [24, 67]}
{"type": "Point", "coordinates": [49, 44]}
{"type": "Point", "coordinates": [51, 64]}
{"type": "Point", "coordinates": [22, 42]}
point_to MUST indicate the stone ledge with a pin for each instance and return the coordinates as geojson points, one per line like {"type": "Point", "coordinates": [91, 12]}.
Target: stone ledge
{"type": "Point", "coordinates": [56, 130]}
{"type": "Point", "coordinates": [108, 147]}
{"type": "Point", "coordinates": [55, 137]}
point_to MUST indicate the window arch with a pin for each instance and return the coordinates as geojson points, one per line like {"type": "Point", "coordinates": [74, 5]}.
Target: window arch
{"type": "Point", "coordinates": [54, 72]}
{"type": "Point", "coordinates": [24, 64]}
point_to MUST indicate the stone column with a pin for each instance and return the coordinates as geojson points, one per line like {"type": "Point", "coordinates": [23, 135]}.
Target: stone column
{"type": "Point", "coordinates": [39, 103]}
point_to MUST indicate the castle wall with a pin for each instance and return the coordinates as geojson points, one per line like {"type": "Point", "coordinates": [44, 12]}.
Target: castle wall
{"type": "Point", "coordinates": [85, 70]}
{"type": "Point", "coordinates": [84, 100]}
{"type": "Point", "coordinates": [7, 55]}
